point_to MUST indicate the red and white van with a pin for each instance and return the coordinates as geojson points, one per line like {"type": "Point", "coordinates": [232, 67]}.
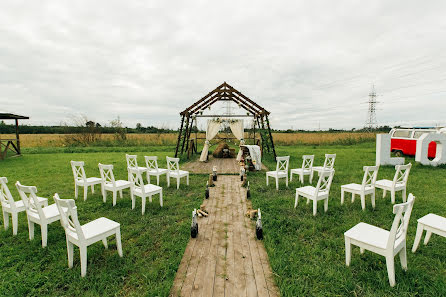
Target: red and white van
{"type": "Point", "coordinates": [404, 140]}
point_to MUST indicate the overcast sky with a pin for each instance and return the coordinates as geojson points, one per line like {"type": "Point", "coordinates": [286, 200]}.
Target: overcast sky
{"type": "Point", "coordinates": [309, 63]}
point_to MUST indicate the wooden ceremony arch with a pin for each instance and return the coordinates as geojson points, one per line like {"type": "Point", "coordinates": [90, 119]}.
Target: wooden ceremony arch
{"type": "Point", "coordinates": [225, 92]}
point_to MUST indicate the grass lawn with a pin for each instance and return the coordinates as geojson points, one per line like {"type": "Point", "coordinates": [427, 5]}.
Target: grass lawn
{"type": "Point", "coordinates": [306, 253]}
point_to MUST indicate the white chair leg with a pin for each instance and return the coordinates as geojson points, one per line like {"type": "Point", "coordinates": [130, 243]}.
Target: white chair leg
{"type": "Point", "coordinates": [5, 220]}
{"type": "Point", "coordinates": [301, 177]}
{"type": "Point", "coordinates": [418, 236]}
{"type": "Point", "coordinates": [277, 183]}
{"type": "Point", "coordinates": [373, 199]}
{"type": "Point", "coordinates": [326, 204]}
{"type": "Point", "coordinates": [70, 252]}
{"type": "Point", "coordinates": [342, 196]}
{"type": "Point", "coordinates": [187, 179]}
{"type": "Point", "coordinates": [428, 237]}
{"type": "Point", "coordinates": [104, 195]}
{"type": "Point", "coordinates": [267, 181]}
{"type": "Point", "coordinates": [348, 251]}
{"type": "Point", "coordinates": [83, 252]}
{"type": "Point", "coordinates": [104, 242]}
{"type": "Point", "coordinates": [314, 207]}
{"type": "Point", "coordinates": [75, 191]}
{"type": "Point", "coordinates": [85, 192]}
{"type": "Point", "coordinates": [148, 178]}
{"type": "Point", "coordinates": [363, 201]}
{"type": "Point", "coordinates": [311, 176]}
{"type": "Point", "coordinates": [15, 223]}
{"type": "Point", "coordinates": [384, 193]}
{"type": "Point", "coordinates": [118, 241]}
{"type": "Point", "coordinates": [132, 196]}
{"type": "Point", "coordinates": [286, 181]}
{"type": "Point", "coordinates": [296, 200]}
{"type": "Point", "coordinates": [31, 230]}
{"type": "Point", "coordinates": [353, 197]}
{"type": "Point", "coordinates": [392, 196]}
{"type": "Point", "coordinates": [291, 177]}
{"type": "Point", "coordinates": [44, 229]}
{"type": "Point", "coordinates": [404, 195]}
{"type": "Point", "coordinates": [168, 181]}
{"type": "Point", "coordinates": [390, 263]}
{"type": "Point", "coordinates": [178, 183]}
{"type": "Point", "coordinates": [114, 197]}
{"type": "Point", "coordinates": [157, 180]}
{"type": "Point", "coordinates": [403, 258]}
{"type": "Point", "coordinates": [120, 193]}
{"type": "Point", "coordinates": [161, 198]}
{"type": "Point", "coordinates": [143, 210]}
{"type": "Point", "coordinates": [361, 250]}
{"type": "Point", "coordinates": [92, 189]}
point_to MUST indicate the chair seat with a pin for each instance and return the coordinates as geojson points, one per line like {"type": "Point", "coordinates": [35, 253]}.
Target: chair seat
{"type": "Point", "coordinates": [301, 170]}
{"type": "Point", "coordinates": [50, 212]}
{"type": "Point", "coordinates": [96, 227]}
{"type": "Point", "coordinates": [276, 173]}
{"type": "Point", "coordinates": [370, 235]}
{"type": "Point", "coordinates": [90, 180]}
{"type": "Point", "coordinates": [159, 172]}
{"type": "Point", "coordinates": [148, 189]}
{"type": "Point", "coordinates": [321, 168]}
{"type": "Point", "coordinates": [178, 173]}
{"type": "Point", "coordinates": [434, 221]}
{"type": "Point", "coordinates": [119, 184]}
{"type": "Point", "coordinates": [310, 191]}
{"type": "Point", "coordinates": [356, 187]}
{"type": "Point", "coordinates": [388, 184]}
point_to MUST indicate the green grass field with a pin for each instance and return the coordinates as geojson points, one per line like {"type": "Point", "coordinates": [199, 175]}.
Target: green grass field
{"type": "Point", "coordinates": [306, 253]}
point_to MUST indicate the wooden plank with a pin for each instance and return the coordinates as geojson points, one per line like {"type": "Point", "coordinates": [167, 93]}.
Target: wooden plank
{"type": "Point", "coordinates": [230, 265]}
{"type": "Point", "coordinates": [220, 252]}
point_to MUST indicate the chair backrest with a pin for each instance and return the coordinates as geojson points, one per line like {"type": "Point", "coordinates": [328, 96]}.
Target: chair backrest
{"type": "Point", "coordinates": [329, 161]}
{"type": "Point", "coordinates": [131, 161]}
{"type": "Point", "coordinates": [69, 219]}
{"type": "Point", "coordinates": [29, 198]}
{"type": "Point", "coordinates": [282, 164]}
{"type": "Point", "coordinates": [324, 182]}
{"type": "Point", "coordinates": [5, 195]}
{"type": "Point", "coordinates": [173, 164]}
{"type": "Point", "coordinates": [402, 213]}
{"type": "Point", "coordinates": [370, 175]}
{"type": "Point", "coordinates": [151, 162]}
{"type": "Point", "coordinates": [135, 177]}
{"type": "Point", "coordinates": [107, 175]}
{"type": "Point", "coordinates": [307, 162]}
{"type": "Point", "coordinates": [78, 171]}
{"type": "Point", "coordinates": [401, 174]}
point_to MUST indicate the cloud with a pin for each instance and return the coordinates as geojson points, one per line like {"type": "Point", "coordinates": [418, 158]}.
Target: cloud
{"type": "Point", "coordinates": [310, 63]}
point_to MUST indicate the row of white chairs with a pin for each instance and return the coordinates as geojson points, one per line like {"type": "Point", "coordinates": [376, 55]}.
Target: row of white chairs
{"type": "Point", "coordinates": [307, 168]}
{"type": "Point", "coordinates": [64, 210]}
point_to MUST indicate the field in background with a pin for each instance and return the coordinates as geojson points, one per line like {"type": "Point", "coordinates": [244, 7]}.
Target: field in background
{"type": "Point", "coordinates": [58, 140]}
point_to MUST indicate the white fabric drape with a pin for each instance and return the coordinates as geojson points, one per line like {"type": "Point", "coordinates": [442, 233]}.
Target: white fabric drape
{"type": "Point", "coordinates": [238, 131]}
{"type": "Point", "coordinates": [211, 131]}
{"type": "Point", "coordinates": [256, 155]}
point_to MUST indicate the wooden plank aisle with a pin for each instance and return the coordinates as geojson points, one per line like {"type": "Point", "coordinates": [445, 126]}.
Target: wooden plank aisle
{"type": "Point", "coordinates": [225, 259]}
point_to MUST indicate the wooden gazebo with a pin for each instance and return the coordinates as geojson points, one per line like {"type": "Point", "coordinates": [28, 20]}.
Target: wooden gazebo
{"type": "Point", "coordinates": [225, 92]}
{"type": "Point", "coordinates": [12, 144]}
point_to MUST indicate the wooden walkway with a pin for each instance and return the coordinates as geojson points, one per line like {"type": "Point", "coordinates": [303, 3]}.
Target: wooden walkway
{"type": "Point", "coordinates": [224, 166]}
{"type": "Point", "coordinates": [225, 259]}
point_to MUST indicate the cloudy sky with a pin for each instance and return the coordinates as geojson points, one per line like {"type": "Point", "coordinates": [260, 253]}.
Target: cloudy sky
{"type": "Point", "coordinates": [310, 63]}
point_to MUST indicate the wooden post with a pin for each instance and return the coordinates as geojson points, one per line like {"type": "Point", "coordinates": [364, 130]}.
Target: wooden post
{"type": "Point", "coordinates": [17, 135]}
{"type": "Point", "coordinates": [254, 137]}
{"type": "Point", "coordinates": [179, 137]}
{"type": "Point", "coordinates": [185, 134]}
{"type": "Point", "coordinates": [270, 136]}
{"type": "Point", "coordinates": [188, 136]}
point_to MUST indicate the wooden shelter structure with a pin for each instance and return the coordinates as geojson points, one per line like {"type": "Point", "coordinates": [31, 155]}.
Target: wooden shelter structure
{"type": "Point", "coordinates": [224, 92]}
{"type": "Point", "coordinates": [12, 144]}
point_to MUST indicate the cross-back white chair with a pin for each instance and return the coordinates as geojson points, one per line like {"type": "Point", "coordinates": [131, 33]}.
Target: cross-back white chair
{"type": "Point", "coordinates": [36, 212]}
{"type": "Point", "coordinates": [87, 234]}
{"type": "Point", "coordinates": [132, 162]}
{"type": "Point", "coordinates": [280, 172]}
{"type": "Point", "coordinates": [110, 184]}
{"type": "Point", "coordinates": [399, 182]}
{"type": "Point", "coordinates": [141, 190]}
{"type": "Point", "coordinates": [307, 165]}
{"type": "Point", "coordinates": [152, 168]}
{"type": "Point", "coordinates": [383, 242]}
{"type": "Point", "coordinates": [12, 207]}
{"type": "Point", "coordinates": [367, 187]}
{"type": "Point", "coordinates": [173, 170]}
{"type": "Point", "coordinates": [320, 192]}
{"type": "Point", "coordinates": [328, 165]}
{"type": "Point", "coordinates": [81, 180]}
{"type": "Point", "coordinates": [432, 223]}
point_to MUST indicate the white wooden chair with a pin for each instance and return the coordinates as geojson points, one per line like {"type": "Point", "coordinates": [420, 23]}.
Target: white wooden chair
{"type": "Point", "coordinates": [367, 187]}
{"type": "Point", "coordinates": [307, 165]}
{"type": "Point", "coordinates": [383, 242]}
{"type": "Point", "coordinates": [173, 170]}
{"type": "Point", "coordinates": [133, 163]}
{"type": "Point", "coordinates": [152, 168]}
{"type": "Point", "coordinates": [398, 183]}
{"type": "Point", "coordinates": [432, 223]}
{"type": "Point", "coordinates": [81, 180]}
{"type": "Point", "coordinates": [36, 212]}
{"type": "Point", "coordinates": [141, 190]}
{"type": "Point", "coordinates": [320, 192]}
{"type": "Point", "coordinates": [87, 234]}
{"type": "Point", "coordinates": [328, 165]}
{"type": "Point", "coordinates": [280, 172]}
{"type": "Point", "coordinates": [110, 184]}
{"type": "Point", "coordinates": [12, 207]}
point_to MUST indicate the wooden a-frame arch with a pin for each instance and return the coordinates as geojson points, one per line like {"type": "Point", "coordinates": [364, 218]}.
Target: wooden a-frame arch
{"type": "Point", "coordinates": [225, 92]}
